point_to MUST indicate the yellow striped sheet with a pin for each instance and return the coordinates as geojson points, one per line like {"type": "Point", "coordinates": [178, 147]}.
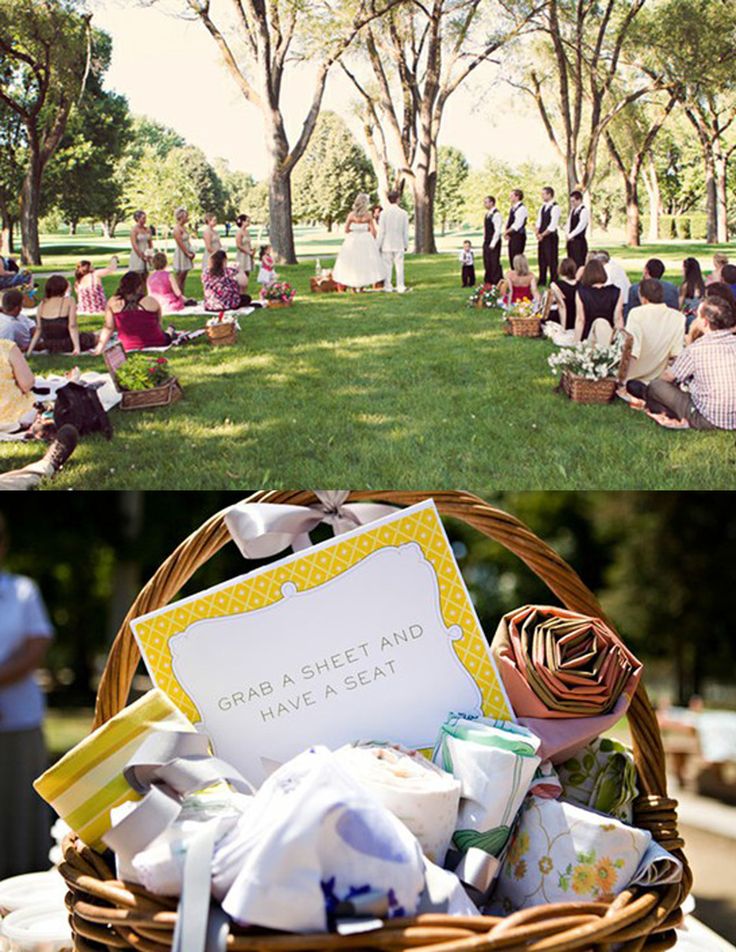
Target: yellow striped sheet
{"type": "Point", "coordinates": [88, 781]}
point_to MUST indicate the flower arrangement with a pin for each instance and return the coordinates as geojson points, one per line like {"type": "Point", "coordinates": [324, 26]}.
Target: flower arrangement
{"type": "Point", "coordinates": [279, 292]}
{"type": "Point", "coordinates": [222, 318]}
{"type": "Point", "coordinates": [141, 372]}
{"type": "Point", "coordinates": [485, 296]}
{"type": "Point", "coordinates": [523, 309]}
{"type": "Point", "coordinates": [591, 361]}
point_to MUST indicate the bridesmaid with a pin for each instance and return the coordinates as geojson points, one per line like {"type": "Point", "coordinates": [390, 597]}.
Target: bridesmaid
{"type": "Point", "coordinates": [244, 245]}
{"type": "Point", "coordinates": [183, 253]}
{"type": "Point", "coordinates": [211, 240]}
{"type": "Point", "coordinates": [140, 243]}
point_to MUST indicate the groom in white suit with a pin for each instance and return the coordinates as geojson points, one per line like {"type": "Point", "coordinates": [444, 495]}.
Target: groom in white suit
{"type": "Point", "coordinates": [393, 241]}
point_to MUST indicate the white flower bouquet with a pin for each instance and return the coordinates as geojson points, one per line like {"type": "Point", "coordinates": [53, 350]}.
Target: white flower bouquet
{"type": "Point", "coordinates": [590, 361]}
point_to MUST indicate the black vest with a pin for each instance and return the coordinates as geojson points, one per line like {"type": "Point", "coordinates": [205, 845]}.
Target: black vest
{"type": "Point", "coordinates": [489, 228]}
{"type": "Point", "coordinates": [512, 215]}
{"type": "Point", "coordinates": [574, 219]}
{"type": "Point", "coordinates": [546, 217]}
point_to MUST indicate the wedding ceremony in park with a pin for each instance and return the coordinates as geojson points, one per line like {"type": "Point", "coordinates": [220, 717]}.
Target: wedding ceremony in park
{"type": "Point", "coordinates": [490, 238]}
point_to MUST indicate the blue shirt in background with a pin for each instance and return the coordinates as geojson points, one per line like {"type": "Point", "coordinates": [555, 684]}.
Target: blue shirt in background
{"type": "Point", "coordinates": [22, 616]}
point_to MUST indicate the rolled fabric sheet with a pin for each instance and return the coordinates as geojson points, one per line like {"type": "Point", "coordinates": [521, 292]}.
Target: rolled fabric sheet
{"type": "Point", "coordinates": [602, 776]}
{"type": "Point", "coordinates": [569, 677]}
{"type": "Point", "coordinates": [495, 762]}
{"type": "Point", "coordinates": [313, 842]}
{"type": "Point", "coordinates": [561, 852]}
{"type": "Point", "coordinates": [89, 781]}
{"type": "Point", "coordinates": [419, 793]}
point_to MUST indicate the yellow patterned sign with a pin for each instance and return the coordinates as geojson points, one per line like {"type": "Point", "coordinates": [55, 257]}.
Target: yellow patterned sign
{"type": "Point", "coordinates": [370, 635]}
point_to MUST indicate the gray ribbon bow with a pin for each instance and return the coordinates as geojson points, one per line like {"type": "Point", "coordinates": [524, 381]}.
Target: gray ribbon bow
{"type": "Point", "coordinates": [262, 529]}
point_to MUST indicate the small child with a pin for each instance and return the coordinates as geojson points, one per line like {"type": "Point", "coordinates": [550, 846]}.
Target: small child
{"type": "Point", "coordinates": [467, 260]}
{"type": "Point", "coordinates": [266, 274]}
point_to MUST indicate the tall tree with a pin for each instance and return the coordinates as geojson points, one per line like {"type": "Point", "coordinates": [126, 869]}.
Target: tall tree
{"type": "Point", "coordinates": [630, 138]}
{"type": "Point", "coordinates": [80, 180]}
{"type": "Point", "coordinates": [44, 60]}
{"type": "Point", "coordinates": [452, 173]}
{"type": "Point", "coordinates": [334, 169]}
{"type": "Point", "coordinates": [418, 57]}
{"type": "Point", "coordinates": [257, 41]}
{"type": "Point", "coordinates": [693, 43]}
{"type": "Point", "coordinates": [13, 150]}
{"type": "Point", "coordinates": [581, 78]}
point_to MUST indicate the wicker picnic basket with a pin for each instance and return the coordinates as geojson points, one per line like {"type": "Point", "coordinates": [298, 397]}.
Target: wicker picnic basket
{"type": "Point", "coordinates": [582, 390]}
{"type": "Point", "coordinates": [523, 326]}
{"type": "Point", "coordinates": [161, 396]}
{"type": "Point", "coordinates": [222, 333]}
{"type": "Point", "coordinates": [109, 914]}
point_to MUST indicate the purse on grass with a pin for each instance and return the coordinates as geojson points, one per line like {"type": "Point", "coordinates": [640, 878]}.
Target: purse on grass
{"type": "Point", "coordinates": [108, 914]}
{"type": "Point", "coordinates": [80, 405]}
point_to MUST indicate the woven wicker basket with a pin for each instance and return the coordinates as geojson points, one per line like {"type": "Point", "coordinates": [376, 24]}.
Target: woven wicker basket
{"type": "Point", "coordinates": [523, 326]}
{"type": "Point", "coordinates": [108, 914]}
{"type": "Point", "coordinates": [582, 390]}
{"type": "Point", "coordinates": [222, 334]}
{"type": "Point", "coordinates": [280, 303]}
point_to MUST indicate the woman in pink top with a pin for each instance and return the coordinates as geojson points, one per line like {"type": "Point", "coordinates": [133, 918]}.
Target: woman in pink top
{"type": "Point", "coordinates": [135, 315]}
{"type": "Point", "coordinates": [163, 286]}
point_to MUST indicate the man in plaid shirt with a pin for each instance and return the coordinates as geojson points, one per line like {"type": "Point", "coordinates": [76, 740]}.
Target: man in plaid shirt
{"type": "Point", "coordinates": [708, 369]}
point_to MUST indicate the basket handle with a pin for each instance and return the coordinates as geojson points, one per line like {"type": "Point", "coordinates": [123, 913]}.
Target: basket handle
{"type": "Point", "coordinates": [563, 581]}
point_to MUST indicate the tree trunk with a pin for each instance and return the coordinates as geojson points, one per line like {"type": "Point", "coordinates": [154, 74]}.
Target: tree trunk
{"type": "Point", "coordinates": [72, 228]}
{"type": "Point", "coordinates": [424, 243]}
{"type": "Point", "coordinates": [30, 209]}
{"type": "Point", "coordinates": [6, 232]}
{"type": "Point", "coordinates": [280, 226]}
{"type": "Point", "coordinates": [633, 215]}
{"type": "Point", "coordinates": [651, 180]}
{"type": "Point", "coordinates": [721, 170]}
{"type": "Point", "coordinates": [711, 205]}
{"type": "Point", "coordinates": [106, 229]}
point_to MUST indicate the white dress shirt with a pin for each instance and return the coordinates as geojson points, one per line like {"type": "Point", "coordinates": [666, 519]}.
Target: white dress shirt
{"type": "Point", "coordinates": [618, 277]}
{"type": "Point", "coordinates": [497, 226]}
{"type": "Point", "coordinates": [582, 224]}
{"type": "Point", "coordinates": [520, 217]}
{"type": "Point", "coordinates": [554, 223]}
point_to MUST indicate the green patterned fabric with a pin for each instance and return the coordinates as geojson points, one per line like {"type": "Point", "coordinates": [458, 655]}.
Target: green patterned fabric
{"type": "Point", "coordinates": [602, 776]}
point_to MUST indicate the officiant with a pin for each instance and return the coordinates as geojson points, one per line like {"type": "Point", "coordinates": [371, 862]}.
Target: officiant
{"type": "Point", "coordinates": [492, 233]}
{"type": "Point", "coordinates": [515, 232]}
{"type": "Point", "coordinates": [548, 238]}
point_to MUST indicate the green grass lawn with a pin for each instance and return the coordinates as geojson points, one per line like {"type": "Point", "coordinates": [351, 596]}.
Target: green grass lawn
{"type": "Point", "coordinates": [373, 390]}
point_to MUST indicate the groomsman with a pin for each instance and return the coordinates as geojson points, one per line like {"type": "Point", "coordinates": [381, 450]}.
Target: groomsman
{"type": "Point", "coordinates": [577, 226]}
{"type": "Point", "coordinates": [548, 237]}
{"type": "Point", "coordinates": [515, 232]}
{"type": "Point", "coordinates": [492, 232]}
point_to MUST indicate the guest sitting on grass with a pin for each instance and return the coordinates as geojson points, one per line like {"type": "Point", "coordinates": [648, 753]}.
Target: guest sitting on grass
{"type": "Point", "coordinates": [658, 335]}
{"type": "Point", "coordinates": [692, 290]}
{"type": "Point", "coordinates": [56, 322]}
{"type": "Point", "coordinates": [224, 287]}
{"type": "Point", "coordinates": [13, 325]}
{"type": "Point", "coordinates": [698, 327]}
{"type": "Point", "coordinates": [719, 260]}
{"type": "Point", "coordinates": [654, 268]}
{"type": "Point", "coordinates": [599, 305]}
{"type": "Point", "coordinates": [135, 315]}
{"type": "Point", "coordinates": [708, 368]}
{"type": "Point", "coordinates": [17, 410]}
{"type": "Point", "coordinates": [522, 283]}
{"type": "Point", "coordinates": [163, 286]}
{"type": "Point", "coordinates": [88, 287]}
{"type": "Point", "coordinates": [10, 278]}
{"type": "Point", "coordinates": [728, 276]}
{"type": "Point", "coordinates": [564, 290]}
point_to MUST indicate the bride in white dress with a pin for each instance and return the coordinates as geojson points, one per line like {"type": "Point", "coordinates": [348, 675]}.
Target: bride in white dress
{"type": "Point", "coordinates": [359, 263]}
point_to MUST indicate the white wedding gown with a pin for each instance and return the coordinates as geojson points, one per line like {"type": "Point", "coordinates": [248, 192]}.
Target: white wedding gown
{"type": "Point", "coordinates": [359, 263]}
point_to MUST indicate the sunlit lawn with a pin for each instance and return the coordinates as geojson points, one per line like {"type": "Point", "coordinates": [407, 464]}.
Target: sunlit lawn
{"type": "Point", "coordinates": [373, 390]}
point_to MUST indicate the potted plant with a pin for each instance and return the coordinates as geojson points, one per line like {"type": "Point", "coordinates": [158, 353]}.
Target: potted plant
{"type": "Point", "coordinates": [144, 380]}
{"type": "Point", "coordinates": [278, 294]}
{"type": "Point", "coordinates": [524, 319]}
{"type": "Point", "coordinates": [222, 329]}
{"type": "Point", "coordinates": [588, 372]}
{"type": "Point", "coordinates": [486, 296]}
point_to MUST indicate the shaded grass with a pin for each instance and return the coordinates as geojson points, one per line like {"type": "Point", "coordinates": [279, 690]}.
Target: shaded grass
{"type": "Point", "coordinates": [373, 390]}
